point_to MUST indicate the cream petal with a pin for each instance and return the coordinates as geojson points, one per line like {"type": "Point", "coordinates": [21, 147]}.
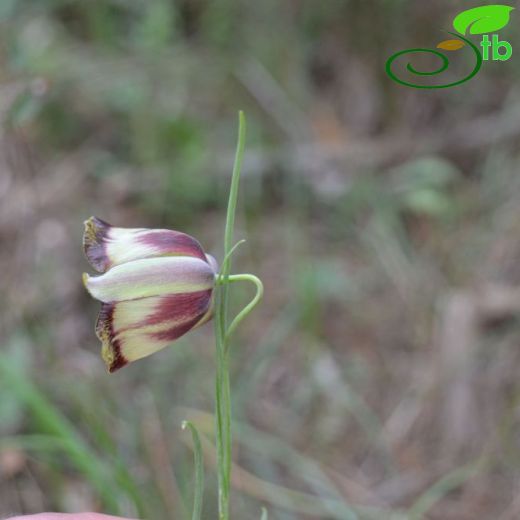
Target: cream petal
{"type": "Point", "coordinates": [151, 277]}
{"type": "Point", "coordinates": [130, 330]}
{"type": "Point", "coordinates": [107, 246]}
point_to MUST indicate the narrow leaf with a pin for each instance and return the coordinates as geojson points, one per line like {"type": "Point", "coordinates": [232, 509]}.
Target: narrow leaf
{"type": "Point", "coordinates": [199, 471]}
{"type": "Point", "coordinates": [481, 20]}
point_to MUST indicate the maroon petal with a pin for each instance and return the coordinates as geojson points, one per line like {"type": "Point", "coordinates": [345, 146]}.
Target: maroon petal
{"type": "Point", "coordinates": [130, 330]}
{"type": "Point", "coordinates": [106, 246]}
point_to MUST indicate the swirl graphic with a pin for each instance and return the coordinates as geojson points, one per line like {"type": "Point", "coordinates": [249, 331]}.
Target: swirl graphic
{"type": "Point", "coordinates": [444, 65]}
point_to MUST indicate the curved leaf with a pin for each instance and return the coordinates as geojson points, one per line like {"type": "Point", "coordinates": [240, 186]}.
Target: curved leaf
{"type": "Point", "coordinates": [481, 20]}
{"type": "Point", "coordinates": [451, 45]}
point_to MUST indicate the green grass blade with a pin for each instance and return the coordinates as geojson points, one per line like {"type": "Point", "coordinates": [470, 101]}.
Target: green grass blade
{"type": "Point", "coordinates": [53, 422]}
{"type": "Point", "coordinates": [199, 471]}
{"type": "Point", "coordinates": [443, 486]}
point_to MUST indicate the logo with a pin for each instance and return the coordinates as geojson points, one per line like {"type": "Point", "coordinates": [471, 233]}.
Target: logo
{"type": "Point", "coordinates": [478, 21]}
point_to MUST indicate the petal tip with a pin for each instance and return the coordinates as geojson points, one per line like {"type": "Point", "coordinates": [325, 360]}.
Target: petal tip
{"type": "Point", "coordinates": [94, 236]}
{"type": "Point", "coordinates": [110, 346]}
{"type": "Point", "coordinates": [109, 355]}
{"type": "Point", "coordinates": [112, 357]}
{"type": "Point", "coordinates": [87, 283]}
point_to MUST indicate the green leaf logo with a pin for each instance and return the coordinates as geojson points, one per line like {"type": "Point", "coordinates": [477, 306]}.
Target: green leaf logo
{"type": "Point", "coordinates": [451, 45]}
{"type": "Point", "coordinates": [481, 20]}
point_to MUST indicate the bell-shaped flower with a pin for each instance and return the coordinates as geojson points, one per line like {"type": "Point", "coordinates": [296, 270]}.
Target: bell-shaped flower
{"type": "Point", "coordinates": [157, 285]}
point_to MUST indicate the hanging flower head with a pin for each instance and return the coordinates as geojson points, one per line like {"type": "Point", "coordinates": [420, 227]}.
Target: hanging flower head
{"type": "Point", "coordinates": [157, 285]}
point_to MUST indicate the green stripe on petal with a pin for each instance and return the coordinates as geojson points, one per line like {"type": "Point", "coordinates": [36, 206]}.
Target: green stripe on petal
{"type": "Point", "coordinates": [151, 277]}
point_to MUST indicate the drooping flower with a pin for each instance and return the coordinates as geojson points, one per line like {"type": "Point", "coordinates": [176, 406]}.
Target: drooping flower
{"type": "Point", "coordinates": [157, 285]}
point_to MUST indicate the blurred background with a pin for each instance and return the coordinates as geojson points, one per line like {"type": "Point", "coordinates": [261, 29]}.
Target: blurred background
{"type": "Point", "coordinates": [379, 378]}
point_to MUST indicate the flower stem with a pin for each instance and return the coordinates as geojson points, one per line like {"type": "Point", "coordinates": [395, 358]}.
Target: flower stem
{"type": "Point", "coordinates": [222, 385]}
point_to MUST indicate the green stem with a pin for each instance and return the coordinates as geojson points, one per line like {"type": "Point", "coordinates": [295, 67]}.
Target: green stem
{"type": "Point", "coordinates": [222, 385]}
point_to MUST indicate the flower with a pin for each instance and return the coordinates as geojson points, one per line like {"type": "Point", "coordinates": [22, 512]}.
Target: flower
{"type": "Point", "coordinates": [157, 285]}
